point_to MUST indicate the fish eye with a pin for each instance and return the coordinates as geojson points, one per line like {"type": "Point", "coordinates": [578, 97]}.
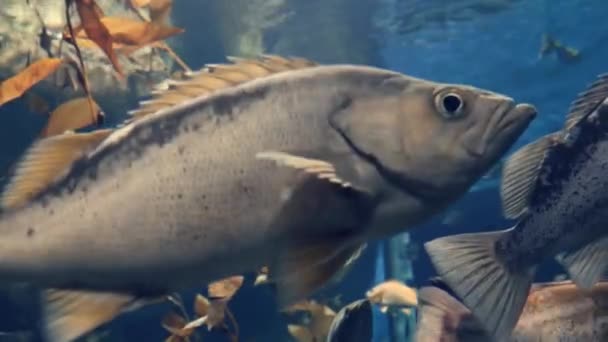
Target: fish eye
{"type": "Point", "coordinates": [450, 105]}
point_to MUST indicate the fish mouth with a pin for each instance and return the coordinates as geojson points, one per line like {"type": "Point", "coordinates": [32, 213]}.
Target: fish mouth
{"type": "Point", "coordinates": [507, 124]}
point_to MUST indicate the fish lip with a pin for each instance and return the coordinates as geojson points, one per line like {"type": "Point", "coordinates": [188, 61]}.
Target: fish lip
{"type": "Point", "coordinates": [507, 114]}
{"type": "Point", "coordinates": [521, 113]}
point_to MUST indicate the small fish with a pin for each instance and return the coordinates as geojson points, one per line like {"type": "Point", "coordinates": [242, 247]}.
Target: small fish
{"type": "Point", "coordinates": [556, 189]}
{"type": "Point", "coordinates": [393, 293]}
{"type": "Point", "coordinates": [564, 53]}
{"type": "Point", "coordinates": [558, 311]}
{"type": "Point", "coordinates": [353, 323]}
{"type": "Point", "coordinates": [263, 162]}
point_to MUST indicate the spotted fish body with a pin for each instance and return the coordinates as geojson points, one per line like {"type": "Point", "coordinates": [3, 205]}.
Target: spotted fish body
{"type": "Point", "coordinates": [569, 208]}
{"type": "Point", "coordinates": [180, 191]}
{"type": "Point", "coordinates": [557, 189]}
{"type": "Point", "coordinates": [295, 171]}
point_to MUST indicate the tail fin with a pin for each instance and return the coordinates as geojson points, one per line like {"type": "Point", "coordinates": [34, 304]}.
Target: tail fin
{"type": "Point", "coordinates": [586, 265]}
{"type": "Point", "coordinates": [495, 294]}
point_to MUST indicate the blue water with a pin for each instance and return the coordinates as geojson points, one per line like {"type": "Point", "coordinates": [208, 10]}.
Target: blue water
{"type": "Point", "coordinates": [497, 51]}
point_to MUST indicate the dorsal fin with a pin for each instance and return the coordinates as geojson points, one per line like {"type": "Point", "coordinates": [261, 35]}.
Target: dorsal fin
{"type": "Point", "coordinates": [586, 101]}
{"type": "Point", "coordinates": [44, 162]}
{"type": "Point", "coordinates": [520, 173]}
{"type": "Point", "coordinates": [218, 76]}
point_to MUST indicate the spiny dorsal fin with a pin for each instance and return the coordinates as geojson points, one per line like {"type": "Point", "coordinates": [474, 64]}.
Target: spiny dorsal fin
{"type": "Point", "coordinates": [44, 162]}
{"type": "Point", "coordinates": [218, 76]}
{"type": "Point", "coordinates": [586, 101]}
{"type": "Point", "coordinates": [520, 173]}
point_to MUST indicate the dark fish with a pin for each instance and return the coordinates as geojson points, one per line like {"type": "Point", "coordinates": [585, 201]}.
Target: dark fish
{"type": "Point", "coordinates": [558, 190]}
{"type": "Point", "coordinates": [557, 311]}
{"type": "Point", "coordinates": [353, 323]}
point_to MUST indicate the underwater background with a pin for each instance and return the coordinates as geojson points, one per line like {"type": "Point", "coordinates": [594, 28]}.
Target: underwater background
{"type": "Point", "coordinates": [493, 44]}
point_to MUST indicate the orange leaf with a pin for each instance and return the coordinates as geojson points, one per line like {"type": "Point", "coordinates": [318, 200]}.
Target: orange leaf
{"type": "Point", "coordinates": [15, 86]}
{"type": "Point", "coordinates": [201, 305]}
{"type": "Point", "coordinates": [90, 17]}
{"type": "Point", "coordinates": [175, 324]}
{"type": "Point", "coordinates": [129, 35]}
{"type": "Point", "coordinates": [134, 32]}
{"type": "Point", "coordinates": [225, 288]}
{"type": "Point", "coordinates": [86, 43]}
{"type": "Point", "coordinates": [71, 115]}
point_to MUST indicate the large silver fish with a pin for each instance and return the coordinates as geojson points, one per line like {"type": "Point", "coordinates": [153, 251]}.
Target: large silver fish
{"type": "Point", "coordinates": [558, 189]}
{"type": "Point", "coordinates": [295, 170]}
{"type": "Point", "coordinates": [558, 311]}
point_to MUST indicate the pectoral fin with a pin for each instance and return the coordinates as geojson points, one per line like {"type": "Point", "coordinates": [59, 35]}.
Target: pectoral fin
{"type": "Point", "coordinates": [520, 174]}
{"type": "Point", "coordinates": [320, 168]}
{"type": "Point", "coordinates": [302, 271]}
{"type": "Point", "coordinates": [71, 314]}
{"type": "Point", "coordinates": [586, 265]}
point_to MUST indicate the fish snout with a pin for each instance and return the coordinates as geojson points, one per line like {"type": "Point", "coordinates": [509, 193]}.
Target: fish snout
{"type": "Point", "coordinates": [525, 111]}
{"type": "Point", "coordinates": [509, 121]}
{"type": "Point", "coordinates": [512, 120]}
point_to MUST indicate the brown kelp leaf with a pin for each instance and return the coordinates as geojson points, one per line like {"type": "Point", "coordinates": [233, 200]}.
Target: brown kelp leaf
{"type": "Point", "coordinates": [201, 305]}
{"type": "Point", "coordinates": [129, 35]}
{"type": "Point", "coordinates": [90, 18]}
{"type": "Point", "coordinates": [175, 324]}
{"type": "Point", "coordinates": [160, 10]}
{"type": "Point", "coordinates": [175, 338]}
{"type": "Point", "coordinates": [225, 288]}
{"type": "Point", "coordinates": [15, 86]}
{"type": "Point", "coordinates": [134, 32]}
{"type": "Point", "coordinates": [215, 317]}
{"type": "Point", "coordinates": [72, 115]}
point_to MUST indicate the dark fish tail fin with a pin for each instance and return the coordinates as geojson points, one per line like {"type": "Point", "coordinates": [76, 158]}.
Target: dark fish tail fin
{"type": "Point", "coordinates": [587, 265]}
{"type": "Point", "coordinates": [495, 294]}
